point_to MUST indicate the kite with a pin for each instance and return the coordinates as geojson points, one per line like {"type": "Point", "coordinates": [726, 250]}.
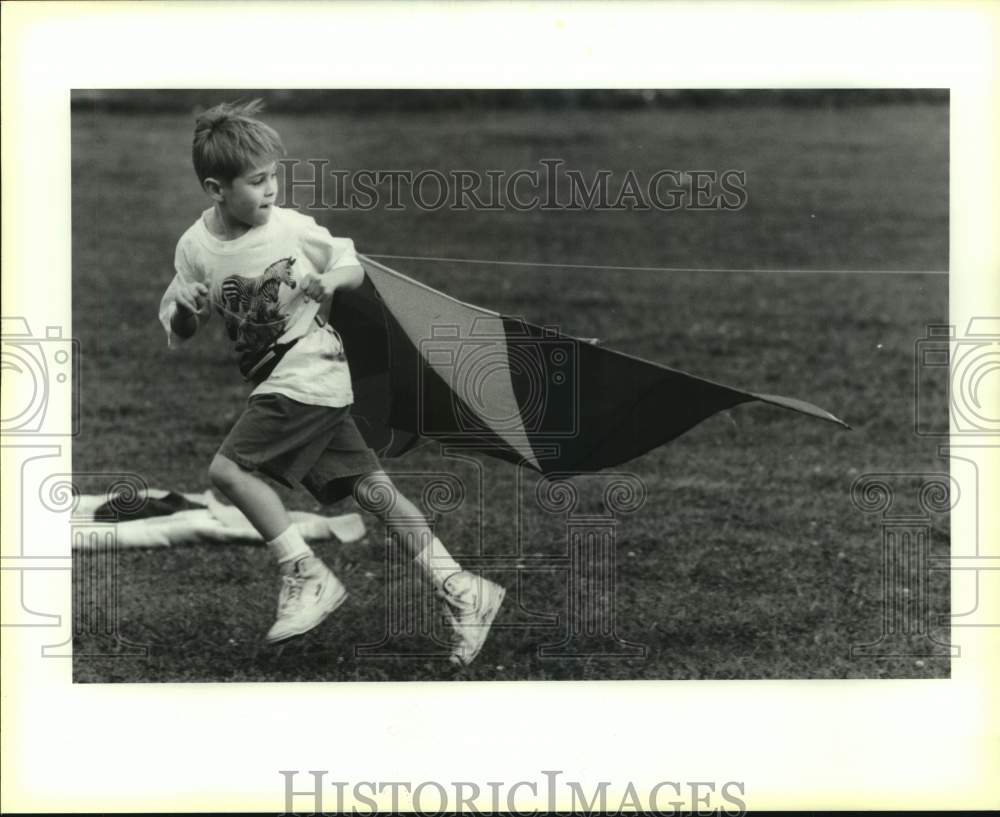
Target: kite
{"type": "Point", "coordinates": [426, 365]}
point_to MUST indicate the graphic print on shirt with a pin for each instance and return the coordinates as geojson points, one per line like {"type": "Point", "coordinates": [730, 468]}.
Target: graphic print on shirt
{"type": "Point", "coordinates": [253, 315]}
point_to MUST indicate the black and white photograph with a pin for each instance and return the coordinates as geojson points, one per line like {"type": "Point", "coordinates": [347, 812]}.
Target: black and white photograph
{"type": "Point", "coordinates": [499, 407]}
{"type": "Point", "coordinates": [510, 384]}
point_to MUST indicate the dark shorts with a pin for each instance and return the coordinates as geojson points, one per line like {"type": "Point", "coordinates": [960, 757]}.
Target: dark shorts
{"type": "Point", "coordinates": [317, 447]}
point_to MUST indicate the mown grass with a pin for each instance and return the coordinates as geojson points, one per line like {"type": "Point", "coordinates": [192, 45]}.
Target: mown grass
{"type": "Point", "coordinates": [748, 559]}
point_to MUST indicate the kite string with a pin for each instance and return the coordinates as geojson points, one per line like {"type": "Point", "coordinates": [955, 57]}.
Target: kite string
{"type": "Point", "coordinates": [222, 309]}
{"type": "Point", "coordinates": [226, 312]}
{"type": "Point", "coordinates": [495, 262]}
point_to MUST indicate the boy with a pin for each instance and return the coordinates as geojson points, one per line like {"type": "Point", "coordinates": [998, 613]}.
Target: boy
{"type": "Point", "coordinates": [271, 273]}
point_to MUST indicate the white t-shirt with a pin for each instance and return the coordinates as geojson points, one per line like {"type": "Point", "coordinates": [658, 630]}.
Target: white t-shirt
{"type": "Point", "coordinates": [253, 284]}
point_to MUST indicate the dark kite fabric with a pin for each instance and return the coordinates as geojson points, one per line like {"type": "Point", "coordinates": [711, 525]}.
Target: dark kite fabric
{"type": "Point", "coordinates": [425, 365]}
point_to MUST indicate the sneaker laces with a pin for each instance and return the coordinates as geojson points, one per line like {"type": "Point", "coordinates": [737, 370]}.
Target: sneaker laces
{"type": "Point", "coordinates": [291, 595]}
{"type": "Point", "coordinates": [462, 603]}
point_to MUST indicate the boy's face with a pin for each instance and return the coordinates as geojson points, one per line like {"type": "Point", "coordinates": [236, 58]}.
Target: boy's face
{"type": "Point", "coordinates": [249, 198]}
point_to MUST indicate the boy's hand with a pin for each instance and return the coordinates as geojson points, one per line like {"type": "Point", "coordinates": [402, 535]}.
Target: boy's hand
{"type": "Point", "coordinates": [318, 287]}
{"type": "Point", "coordinates": [191, 298]}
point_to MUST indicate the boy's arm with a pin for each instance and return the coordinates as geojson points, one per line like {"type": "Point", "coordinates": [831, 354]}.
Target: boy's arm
{"type": "Point", "coordinates": [346, 277]}
{"type": "Point", "coordinates": [320, 287]}
{"type": "Point", "coordinates": [336, 257]}
{"type": "Point", "coordinates": [184, 300]}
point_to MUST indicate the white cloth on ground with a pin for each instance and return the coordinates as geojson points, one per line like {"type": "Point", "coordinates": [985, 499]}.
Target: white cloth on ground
{"type": "Point", "coordinates": [217, 523]}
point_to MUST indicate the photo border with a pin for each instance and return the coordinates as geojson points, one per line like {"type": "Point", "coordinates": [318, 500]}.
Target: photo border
{"type": "Point", "coordinates": [795, 744]}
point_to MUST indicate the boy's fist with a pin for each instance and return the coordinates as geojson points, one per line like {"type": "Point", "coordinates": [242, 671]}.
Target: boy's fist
{"type": "Point", "coordinates": [192, 298]}
{"type": "Point", "coordinates": [317, 287]}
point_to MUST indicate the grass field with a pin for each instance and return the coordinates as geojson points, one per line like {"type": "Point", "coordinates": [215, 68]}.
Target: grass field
{"type": "Point", "coordinates": [748, 559]}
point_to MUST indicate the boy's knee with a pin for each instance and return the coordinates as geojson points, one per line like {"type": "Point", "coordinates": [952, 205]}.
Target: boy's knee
{"type": "Point", "coordinates": [223, 472]}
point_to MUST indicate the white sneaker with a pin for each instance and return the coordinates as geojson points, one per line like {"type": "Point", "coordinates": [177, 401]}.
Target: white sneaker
{"type": "Point", "coordinates": [309, 593]}
{"type": "Point", "coordinates": [472, 603]}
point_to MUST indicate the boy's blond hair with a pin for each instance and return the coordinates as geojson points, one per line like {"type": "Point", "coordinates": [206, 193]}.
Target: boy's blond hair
{"type": "Point", "coordinates": [229, 140]}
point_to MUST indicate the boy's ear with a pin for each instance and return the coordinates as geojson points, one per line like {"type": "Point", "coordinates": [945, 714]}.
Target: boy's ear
{"type": "Point", "coordinates": [214, 188]}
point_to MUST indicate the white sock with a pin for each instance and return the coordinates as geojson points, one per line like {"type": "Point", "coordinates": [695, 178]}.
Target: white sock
{"type": "Point", "coordinates": [289, 546]}
{"type": "Point", "coordinates": [437, 563]}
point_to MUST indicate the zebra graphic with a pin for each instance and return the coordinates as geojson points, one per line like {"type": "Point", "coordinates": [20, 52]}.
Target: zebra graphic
{"type": "Point", "coordinates": [250, 306]}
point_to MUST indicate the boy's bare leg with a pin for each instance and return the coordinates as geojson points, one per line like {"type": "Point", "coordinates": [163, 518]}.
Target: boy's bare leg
{"type": "Point", "coordinates": [255, 498]}
{"type": "Point", "coordinates": [310, 591]}
{"type": "Point", "coordinates": [472, 601]}
{"type": "Point", "coordinates": [407, 526]}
